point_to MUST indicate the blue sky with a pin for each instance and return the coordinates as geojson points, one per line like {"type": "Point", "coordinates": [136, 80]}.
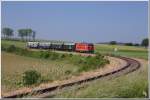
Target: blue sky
{"type": "Point", "coordinates": [79, 21]}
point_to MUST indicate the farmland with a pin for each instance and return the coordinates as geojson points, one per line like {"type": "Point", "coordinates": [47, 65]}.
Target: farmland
{"type": "Point", "coordinates": [52, 66]}
{"type": "Point", "coordinates": [52, 70]}
{"type": "Point", "coordinates": [129, 51]}
{"type": "Point", "coordinates": [14, 65]}
{"type": "Point", "coordinates": [16, 43]}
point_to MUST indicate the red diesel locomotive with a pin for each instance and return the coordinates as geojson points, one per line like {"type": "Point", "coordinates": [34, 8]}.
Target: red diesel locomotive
{"type": "Point", "coordinates": [84, 47]}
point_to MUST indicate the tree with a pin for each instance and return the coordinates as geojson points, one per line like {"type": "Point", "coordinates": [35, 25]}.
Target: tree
{"type": "Point", "coordinates": [113, 42]}
{"type": "Point", "coordinates": [28, 33]}
{"type": "Point", "coordinates": [7, 32]}
{"type": "Point", "coordinates": [25, 33]}
{"type": "Point", "coordinates": [129, 44]}
{"type": "Point", "coordinates": [33, 35]}
{"type": "Point", "coordinates": [136, 44]}
{"type": "Point", "coordinates": [21, 33]}
{"type": "Point", "coordinates": [145, 42]}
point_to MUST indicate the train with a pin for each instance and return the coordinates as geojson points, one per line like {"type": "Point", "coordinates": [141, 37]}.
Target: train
{"type": "Point", "coordinates": [74, 47]}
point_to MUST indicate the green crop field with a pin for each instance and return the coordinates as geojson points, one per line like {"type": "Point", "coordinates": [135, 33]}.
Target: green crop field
{"type": "Point", "coordinates": [131, 85]}
{"type": "Point", "coordinates": [129, 51]}
{"type": "Point", "coordinates": [16, 43]}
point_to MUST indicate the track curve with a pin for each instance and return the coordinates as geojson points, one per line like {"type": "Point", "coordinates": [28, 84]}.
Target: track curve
{"type": "Point", "coordinates": [131, 66]}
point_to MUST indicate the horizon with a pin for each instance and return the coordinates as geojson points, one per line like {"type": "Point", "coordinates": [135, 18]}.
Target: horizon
{"type": "Point", "coordinates": [79, 21]}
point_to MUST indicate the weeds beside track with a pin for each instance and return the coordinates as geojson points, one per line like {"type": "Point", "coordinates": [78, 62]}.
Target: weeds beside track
{"type": "Point", "coordinates": [131, 66]}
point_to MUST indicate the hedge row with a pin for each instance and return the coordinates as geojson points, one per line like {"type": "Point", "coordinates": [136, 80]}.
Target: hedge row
{"type": "Point", "coordinates": [29, 53]}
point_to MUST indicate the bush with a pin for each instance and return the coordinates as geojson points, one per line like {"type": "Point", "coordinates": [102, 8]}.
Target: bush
{"type": "Point", "coordinates": [11, 48]}
{"type": "Point", "coordinates": [129, 44]}
{"type": "Point", "coordinates": [99, 56]}
{"type": "Point", "coordinates": [80, 61]}
{"type": "Point", "coordinates": [145, 42]}
{"type": "Point", "coordinates": [31, 77]}
{"type": "Point", "coordinates": [112, 42]}
{"type": "Point", "coordinates": [136, 44]}
{"type": "Point", "coordinates": [70, 55]}
{"type": "Point", "coordinates": [63, 56]}
{"type": "Point", "coordinates": [54, 56]}
{"type": "Point", "coordinates": [44, 54]}
{"type": "Point", "coordinates": [3, 48]}
{"type": "Point", "coordinates": [89, 62]}
{"type": "Point", "coordinates": [67, 72]}
{"type": "Point", "coordinates": [22, 51]}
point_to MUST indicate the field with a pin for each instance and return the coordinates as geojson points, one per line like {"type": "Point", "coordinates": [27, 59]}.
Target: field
{"type": "Point", "coordinates": [16, 43]}
{"type": "Point", "coordinates": [132, 85]}
{"type": "Point", "coordinates": [52, 66]}
{"type": "Point", "coordinates": [13, 67]}
{"type": "Point", "coordinates": [130, 51]}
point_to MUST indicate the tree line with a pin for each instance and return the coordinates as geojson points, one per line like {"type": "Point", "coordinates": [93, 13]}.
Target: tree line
{"type": "Point", "coordinates": [24, 34]}
{"type": "Point", "coordinates": [29, 34]}
{"type": "Point", "coordinates": [144, 42]}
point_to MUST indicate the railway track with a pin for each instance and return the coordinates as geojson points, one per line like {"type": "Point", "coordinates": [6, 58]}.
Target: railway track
{"type": "Point", "coordinates": [131, 66]}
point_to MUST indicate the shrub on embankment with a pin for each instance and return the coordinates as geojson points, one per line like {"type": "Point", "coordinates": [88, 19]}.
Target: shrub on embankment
{"type": "Point", "coordinates": [26, 52]}
{"type": "Point", "coordinates": [31, 77]}
{"type": "Point", "coordinates": [89, 62]}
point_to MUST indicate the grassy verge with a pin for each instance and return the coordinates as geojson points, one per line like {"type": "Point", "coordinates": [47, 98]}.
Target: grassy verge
{"type": "Point", "coordinates": [52, 66]}
{"type": "Point", "coordinates": [13, 67]}
{"type": "Point", "coordinates": [133, 85]}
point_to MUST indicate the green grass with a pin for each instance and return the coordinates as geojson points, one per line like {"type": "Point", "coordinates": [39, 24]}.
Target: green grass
{"type": "Point", "coordinates": [129, 51]}
{"type": "Point", "coordinates": [16, 43]}
{"type": "Point", "coordinates": [84, 63]}
{"type": "Point", "coordinates": [52, 66]}
{"type": "Point", "coordinates": [133, 85]}
{"type": "Point", "coordinates": [51, 70]}
{"type": "Point", "coordinates": [13, 67]}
